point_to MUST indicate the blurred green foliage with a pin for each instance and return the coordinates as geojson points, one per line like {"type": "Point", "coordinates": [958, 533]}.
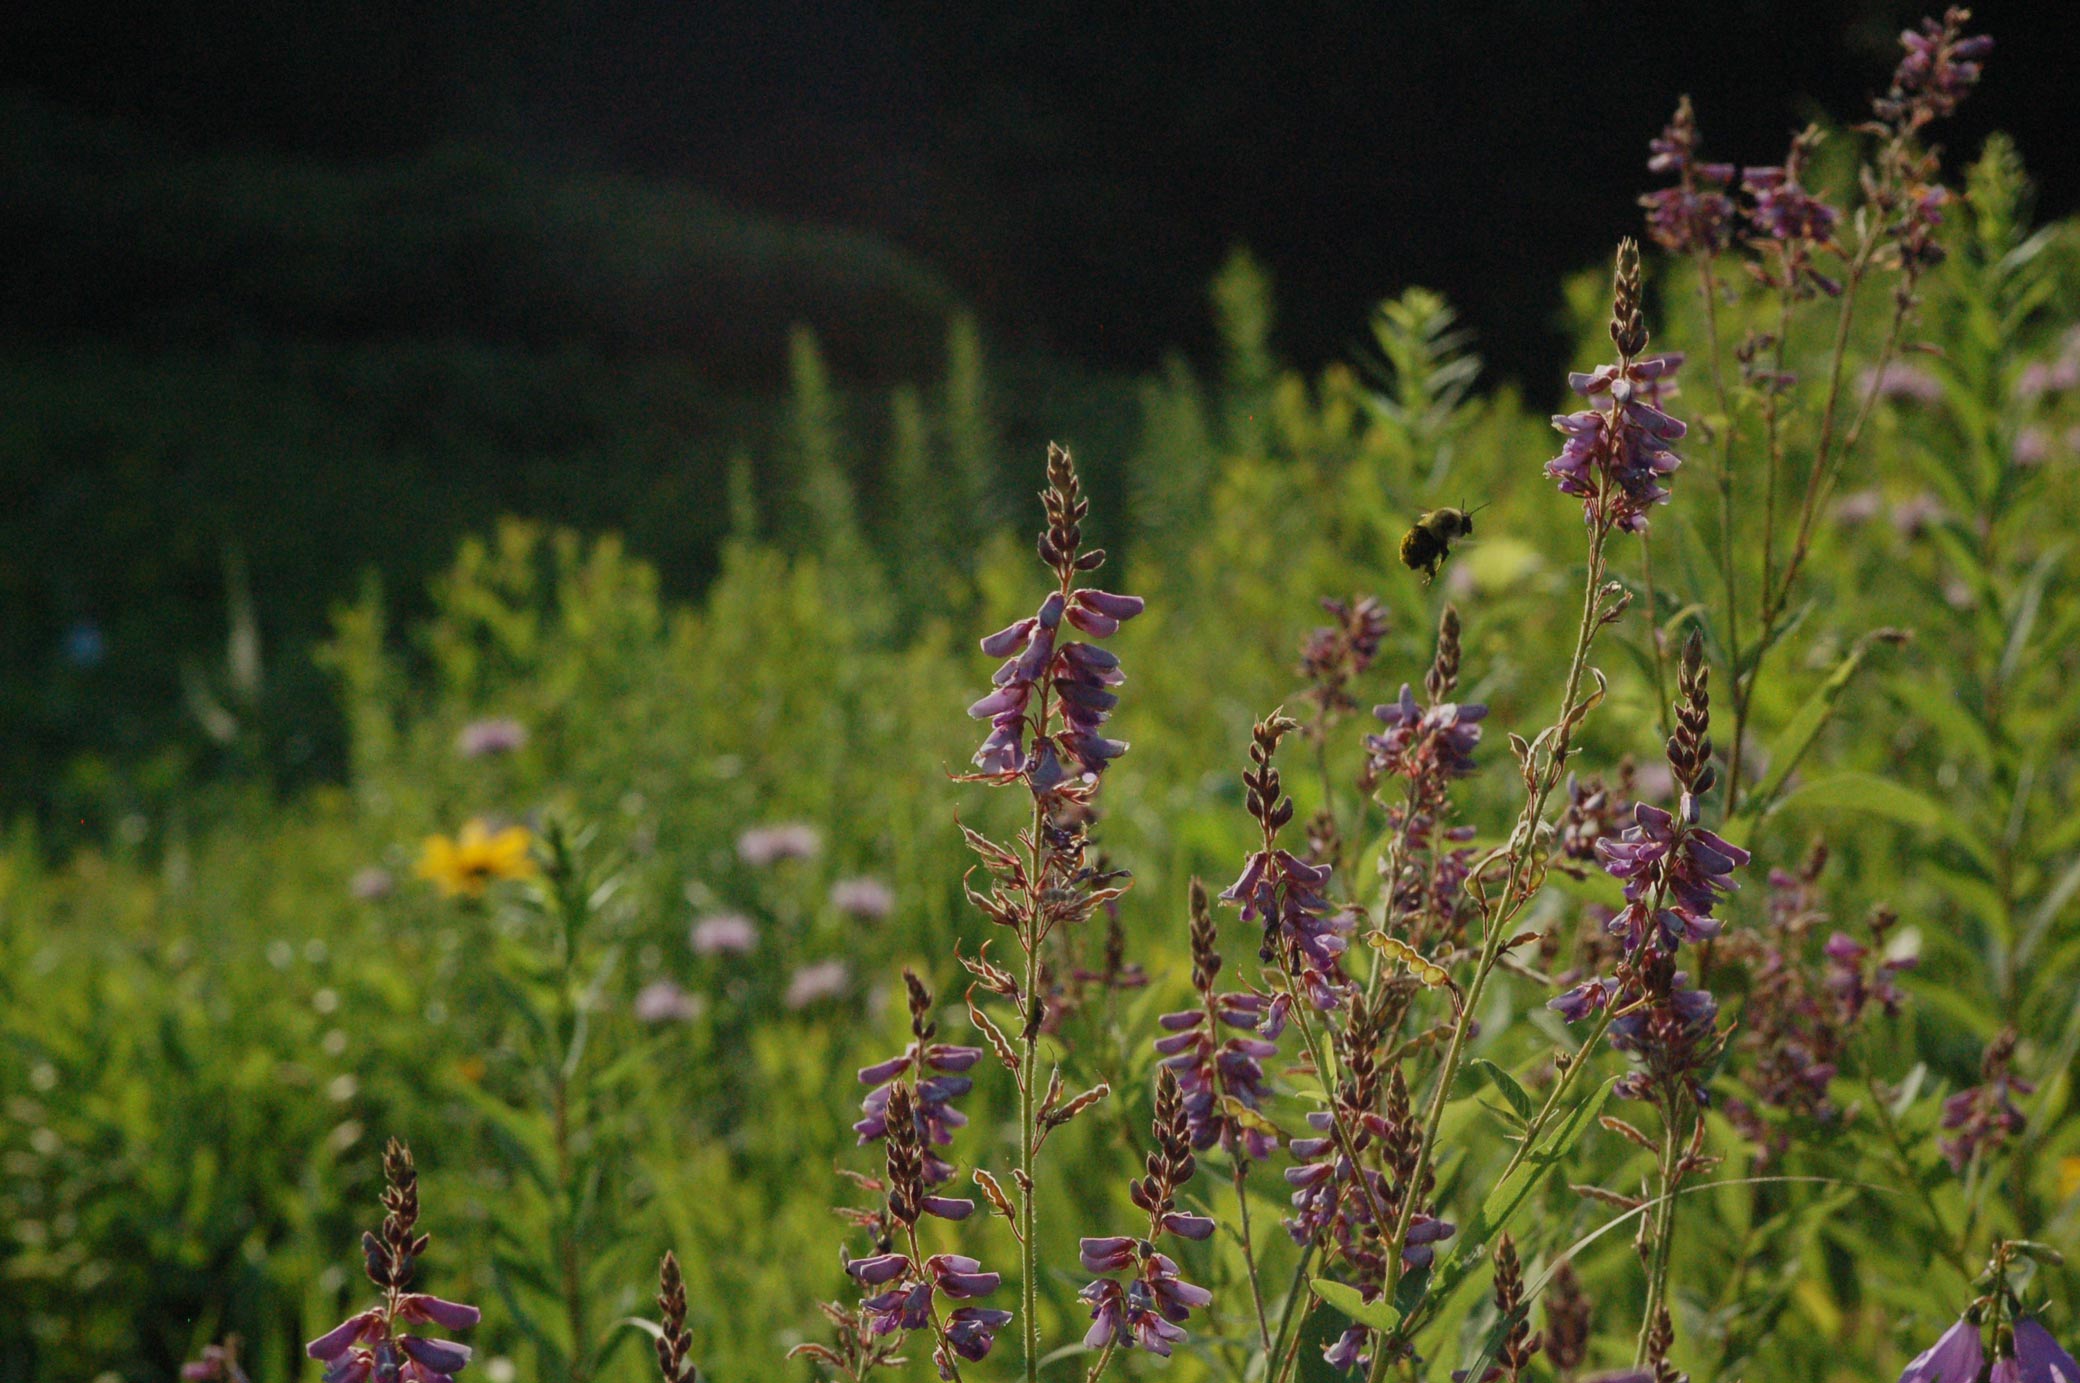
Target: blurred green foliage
{"type": "Point", "coordinates": [209, 1023]}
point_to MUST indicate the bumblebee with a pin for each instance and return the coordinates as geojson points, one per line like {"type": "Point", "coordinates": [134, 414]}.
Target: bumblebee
{"type": "Point", "coordinates": [1425, 546]}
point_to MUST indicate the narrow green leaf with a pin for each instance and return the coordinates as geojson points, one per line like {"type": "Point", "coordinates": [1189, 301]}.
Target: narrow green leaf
{"type": "Point", "coordinates": [1866, 792]}
{"type": "Point", "coordinates": [1506, 1086]}
{"type": "Point", "coordinates": [1797, 737]}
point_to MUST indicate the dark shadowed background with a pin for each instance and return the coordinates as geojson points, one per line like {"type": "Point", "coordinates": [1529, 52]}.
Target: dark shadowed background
{"type": "Point", "coordinates": [293, 293]}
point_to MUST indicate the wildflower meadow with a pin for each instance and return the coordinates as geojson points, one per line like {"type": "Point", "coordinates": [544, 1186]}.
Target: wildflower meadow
{"type": "Point", "coordinates": [1229, 919]}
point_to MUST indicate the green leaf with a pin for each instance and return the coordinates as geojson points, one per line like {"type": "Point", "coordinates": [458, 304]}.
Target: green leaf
{"type": "Point", "coordinates": [1506, 1086]}
{"type": "Point", "coordinates": [1866, 792]}
{"type": "Point", "coordinates": [1797, 737]}
{"type": "Point", "coordinates": [1380, 1315]}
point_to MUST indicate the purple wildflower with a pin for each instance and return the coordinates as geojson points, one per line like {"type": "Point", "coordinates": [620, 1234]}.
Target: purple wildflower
{"type": "Point", "coordinates": [936, 1072]}
{"type": "Point", "coordinates": [661, 1001]}
{"type": "Point", "coordinates": [1059, 693]}
{"type": "Point", "coordinates": [814, 983]}
{"type": "Point", "coordinates": [1985, 1115]}
{"type": "Point", "coordinates": [862, 897]}
{"type": "Point", "coordinates": [369, 1345]}
{"type": "Point", "coordinates": [764, 846]}
{"type": "Point", "coordinates": [1675, 872]}
{"type": "Point", "coordinates": [2039, 1357]}
{"type": "Point", "coordinates": [1304, 933]}
{"type": "Point", "coordinates": [484, 739]}
{"type": "Point", "coordinates": [1696, 215]}
{"type": "Point", "coordinates": [1956, 1357]}
{"type": "Point", "coordinates": [723, 933]}
{"type": "Point", "coordinates": [911, 1288]}
{"type": "Point", "coordinates": [1211, 1070]}
{"type": "Point", "coordinates": [1781, 213]}
{"type": "Point", "coordinates": [1149, 1311]}
{"type": "Point", "coordinates": [1939, 66]}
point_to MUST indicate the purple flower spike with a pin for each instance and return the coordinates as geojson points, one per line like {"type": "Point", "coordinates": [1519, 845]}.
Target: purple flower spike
{"type": "Point", "coordinates": [1956, 1357]}
{"type": "Point", "coordinates": [2039, 1356]}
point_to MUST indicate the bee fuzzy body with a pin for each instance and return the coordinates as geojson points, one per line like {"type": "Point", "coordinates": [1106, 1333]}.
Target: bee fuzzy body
{"type": "Point", "coordinates": [1425, 546]}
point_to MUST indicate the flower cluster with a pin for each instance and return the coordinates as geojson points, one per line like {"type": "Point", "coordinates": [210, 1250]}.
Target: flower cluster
{"type": "Point", "coordinates": [1939, 66]}
{"type": "Point", "coordinates": [1519, 1346]}
{"type": "Point", "coordinates": [1336, 655]}
{"type": "Point", "coordinates": [912, 1285]}
{"type": "Point", "coordinates": [1149, 1309]}
{"type": "Point", "coordinates": [933, 1074]}
{"type": "Point", "coordinates": [1696, 215]}
{"type": "Point", "coordinates": [1428, 746]}
{"type": "Point", "coordinates": [1984, 1116]}
{"type": "Point", "coordinates": [1618, 451]}
{"type": "Point", "coordinates": [1070, 680]}
{"type": "Point", "coordinates": [1340, 1203]}
{"type": "Point", "coordinates": [370, 1345]}
{"type": "Point", "coordinates": [1304, 933]}
{"type": "Point", "coordinates": [1211, 1071]}
{"type": "Point", "coordinates": [1783, 215]}
{"type": "Point", "coordinates": [1674, 872]}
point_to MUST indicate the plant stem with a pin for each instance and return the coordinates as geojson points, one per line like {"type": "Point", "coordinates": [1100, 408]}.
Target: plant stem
{"type": "Point", "coordinates": [1663, 1231]}
{"type": "Point", "coordinates": [1028, 1082]}
{"type": "Point", "coordinates": [1249, 1255]}
{"type": "Point", "coordinates": [1522, 844]}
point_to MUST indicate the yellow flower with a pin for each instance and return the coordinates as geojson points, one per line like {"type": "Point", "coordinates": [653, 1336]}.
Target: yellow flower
{"type": "Point", "coordinates": [468, 864]}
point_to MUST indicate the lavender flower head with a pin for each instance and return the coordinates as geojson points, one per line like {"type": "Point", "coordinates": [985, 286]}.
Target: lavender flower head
{"type": "Point", "coordinates": [816, 982]}
{"type": "Point", "coordinates": [662, 1001]}
{"type": "Point", "coordinates": [370, 1345]}
{"type": "Point", "coordinates": [218, 1364]}
{"type": "Point", "coordinates": [723, 933]}
{"type": "Point", "coordinates": [1617, 452]}
{"type": "Point", "coordinates": [484, 739]}
{"type": "Point", "coordinates": [1940, 64]}
{"type": "Point", "coordinates": [865, 898]}
{"type": "Point", "coordinates": [764, 846]}
{"type": "Point", "coordinates": [1051, 698]}
{"type": "Point", "coordinates": [1150, 1308]}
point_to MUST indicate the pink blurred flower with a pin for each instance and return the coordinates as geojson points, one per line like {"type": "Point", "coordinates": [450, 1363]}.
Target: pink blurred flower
{"type": "Point", "coordinates": [825, 979]}
{"type": "Point", "coordinates": [484, 739]}
{"type": "Point", "coordinates": [723, 933]}
{"type": "Point", "coordinates": [661, 1001]}
{"type": "Point", "coordinates": [762, 846]}
{"type": "Point", "coordinates": [372, 885]}
{"type": "Point", "coordinates": [866, 898]}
